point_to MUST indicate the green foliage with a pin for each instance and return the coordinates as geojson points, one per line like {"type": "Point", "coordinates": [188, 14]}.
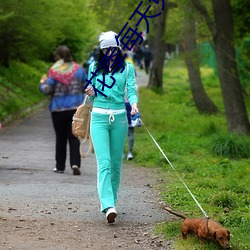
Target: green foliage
{"type": "Point", "coordinates": [176, 19]}
{"type": "Point", "coordinates": [119, 13]}
{"type": "Point", "coordinates": [115, 11]}
{"type": "Point", "coordinates": [224, 200]}
{"type": "Point", "coordinates": [41, 29]}
{"type": "Point", "coordinates": [175, 24]}
{"type": "Point", "coordinates": [19, 87]}
{"type": "Point", "coordinates": [219, 183]}
{"type": "Point", "coordinates": [241, 17]}
{"type": "Point", "coordinates": [231, 146]}
{"type": "Point", "coordinates": [243, 60]}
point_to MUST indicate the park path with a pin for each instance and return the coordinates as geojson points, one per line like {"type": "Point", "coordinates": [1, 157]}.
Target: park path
{"type": "Point", "coordinates": [43, 210]}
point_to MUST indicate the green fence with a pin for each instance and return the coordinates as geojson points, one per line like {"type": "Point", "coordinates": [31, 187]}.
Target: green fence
{"type": "Point", "coordinates": [208, 58]}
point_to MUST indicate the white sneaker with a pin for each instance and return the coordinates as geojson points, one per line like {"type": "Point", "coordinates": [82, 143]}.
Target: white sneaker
{"type": "Point", "coordinates": [76, 170]}
{"type": "Point", "coordinates": [130, 156]}
{"type": "Point", "coordinates": [111, 214]}
{"type": "Point", "coordinates": [58, 171]}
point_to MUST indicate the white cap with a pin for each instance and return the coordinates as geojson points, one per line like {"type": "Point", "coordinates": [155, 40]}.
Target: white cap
{"type": "Point", "coordinates": [107, 39]}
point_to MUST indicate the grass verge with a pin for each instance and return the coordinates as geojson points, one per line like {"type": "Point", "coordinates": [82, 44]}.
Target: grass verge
{"type": "Point", "coordinates": [19, 89]}
{"type": "Point", "coordinates": [214, 164]}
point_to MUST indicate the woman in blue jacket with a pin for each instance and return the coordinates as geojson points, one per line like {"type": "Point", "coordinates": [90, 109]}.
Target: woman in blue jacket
{"type": "Point", "coordinates": [107, 83]}
{"type": "Point", "coordinates": [65, 84]}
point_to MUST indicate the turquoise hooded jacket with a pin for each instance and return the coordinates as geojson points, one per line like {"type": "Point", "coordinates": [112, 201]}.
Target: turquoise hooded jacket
{"type": "Point", "coordinates": [112, 97]}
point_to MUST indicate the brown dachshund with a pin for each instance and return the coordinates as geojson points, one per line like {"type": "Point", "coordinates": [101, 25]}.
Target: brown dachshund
{"type": "Point", "coordinates": [204, 229]}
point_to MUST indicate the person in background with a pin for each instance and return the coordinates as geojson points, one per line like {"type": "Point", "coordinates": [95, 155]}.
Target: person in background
{"type": "Point", "coordinates": [138, 55]}
{"type": "Point", "coordinates": [147, 54]}
{"type": "Point", "coordinates": [130, 133]}
{"type": "Point", "coordinates": [128, 109]}
{"type": "Point", "coordinates": [65, 84]}
{"type": "Point", "coordinates": [94, 54]}
{"type": "Point", "coordinates": [109, 125]}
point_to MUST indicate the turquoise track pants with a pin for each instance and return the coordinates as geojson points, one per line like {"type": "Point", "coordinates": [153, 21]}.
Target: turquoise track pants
{"type": "Point", "coordinates": [108, 136]}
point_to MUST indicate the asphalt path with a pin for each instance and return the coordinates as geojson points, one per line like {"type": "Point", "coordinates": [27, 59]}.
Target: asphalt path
{"type": "Point", "coordinates": [31, 190]}
{"type": "Point", "coordinates": [26, 164]}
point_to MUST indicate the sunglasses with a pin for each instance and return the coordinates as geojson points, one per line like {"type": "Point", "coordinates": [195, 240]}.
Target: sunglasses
{"type": "Point", "coordinates": [112, 49]}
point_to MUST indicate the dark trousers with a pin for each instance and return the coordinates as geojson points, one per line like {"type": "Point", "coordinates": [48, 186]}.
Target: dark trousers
{"type": "Point", "coordinates": [62, 122]}
{"type": "Point", "coordinates": [130, 139]}
{"type": "Point", "coordinates": [147, 65]}
{"type": "Point", "coordinates": [130, 129]}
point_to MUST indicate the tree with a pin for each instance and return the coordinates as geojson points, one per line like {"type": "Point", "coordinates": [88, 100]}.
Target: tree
{"type": "Point", "coordinates": [159, 48]}
{"type": "Point", "coordinates": [201, 99]}
{"type": "Point", "coordinates": [117, 21]}
{"type": "Point", "coordinates": [28, 33]}
{"type": "Point", "coordinates": [242, 33]}
{"type": "Point", "coordinates": [23, 33]}
{"type": "Point", "coordinates": [223, 38]}
{"type": "Point", "coordinates": [111, 14]}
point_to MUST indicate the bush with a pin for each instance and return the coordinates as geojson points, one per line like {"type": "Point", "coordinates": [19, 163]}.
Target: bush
{"type": "Point", "coordinates": [231, 146]}
{"type": "Point", "coordinates": [223, 200]}
{"type": "Point", "coordinates": [19, 88]}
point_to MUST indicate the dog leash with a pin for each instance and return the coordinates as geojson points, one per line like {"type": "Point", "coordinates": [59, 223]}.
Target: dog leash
{"type": "Point", "coordinates": [174, 170]}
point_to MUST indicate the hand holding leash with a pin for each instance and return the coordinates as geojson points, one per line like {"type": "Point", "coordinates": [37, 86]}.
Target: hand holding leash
{"type": "Point", "coordinates": [134, 109]}
{"type": "Point", "coordinates": [135, 120]}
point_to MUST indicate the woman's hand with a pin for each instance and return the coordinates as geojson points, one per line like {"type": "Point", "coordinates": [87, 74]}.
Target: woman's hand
{"type": "Point", "coordinates": [134, 109]}
{"type": "Point", "coordinates": [43, 79]}
{"type": "Point", "coordinates": [90, 91]}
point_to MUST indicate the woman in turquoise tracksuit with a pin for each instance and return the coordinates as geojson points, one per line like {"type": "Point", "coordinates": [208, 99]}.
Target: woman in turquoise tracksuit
{"type": "Point", "coordinates": [109, 123]}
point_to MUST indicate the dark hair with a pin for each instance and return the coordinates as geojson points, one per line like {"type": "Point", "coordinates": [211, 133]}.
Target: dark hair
{"type": "Point", "coordinates": [64, 53]}
{"type": "Point", "coordinates": [104, 66]}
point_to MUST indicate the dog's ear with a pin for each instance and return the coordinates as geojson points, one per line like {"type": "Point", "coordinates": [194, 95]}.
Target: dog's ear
{"type": "Point", "coordinates": [228, 237]}
{"type": "Point", "coordinates": [214, 235]}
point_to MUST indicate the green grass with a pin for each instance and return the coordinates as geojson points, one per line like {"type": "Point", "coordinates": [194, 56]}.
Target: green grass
{"type": "Point", "coordinates": [214, 164]}
{"type": "Point", "coordinates": [19, 88]}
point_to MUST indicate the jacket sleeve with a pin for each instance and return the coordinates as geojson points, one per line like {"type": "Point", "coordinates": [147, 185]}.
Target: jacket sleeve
{"type": "Point", "coordinates": [47, 87]}
{"type": "Point", "coordinates": [131, 84]}
{"type": "Point", "coordinates": [91, 69]}
{"type": "Point", "coordinates": [81, 74]}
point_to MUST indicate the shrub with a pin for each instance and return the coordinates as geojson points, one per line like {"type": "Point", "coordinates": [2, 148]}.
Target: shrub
{"type": "Point", "coordinates": [231, 146]}
{"type": "Point", "coordinates": [223, 200]}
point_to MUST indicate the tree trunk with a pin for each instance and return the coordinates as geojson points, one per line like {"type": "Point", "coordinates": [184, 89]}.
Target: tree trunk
{"type": "Point", "coordinates": [201, 99]}
{"type": "Point", "coordinates": [159, 50]}
{"type": "Point", "coordinates": [235, 109]}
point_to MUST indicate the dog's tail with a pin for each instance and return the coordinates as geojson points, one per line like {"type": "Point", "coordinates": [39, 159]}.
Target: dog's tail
{"type": "Point", "coordinates": [175, 213]}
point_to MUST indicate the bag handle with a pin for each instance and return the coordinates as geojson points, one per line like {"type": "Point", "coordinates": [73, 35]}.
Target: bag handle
{"type": "Point", "coordinates": [91, 148]}
{"type": "Point", "coordinates": [85, 139]}
{"type": "Point", "coordinates": [85, 99]}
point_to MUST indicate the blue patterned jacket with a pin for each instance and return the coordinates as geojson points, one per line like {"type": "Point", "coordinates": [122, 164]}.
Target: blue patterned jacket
{"type": "Point", "coordinates": [65, 97]}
